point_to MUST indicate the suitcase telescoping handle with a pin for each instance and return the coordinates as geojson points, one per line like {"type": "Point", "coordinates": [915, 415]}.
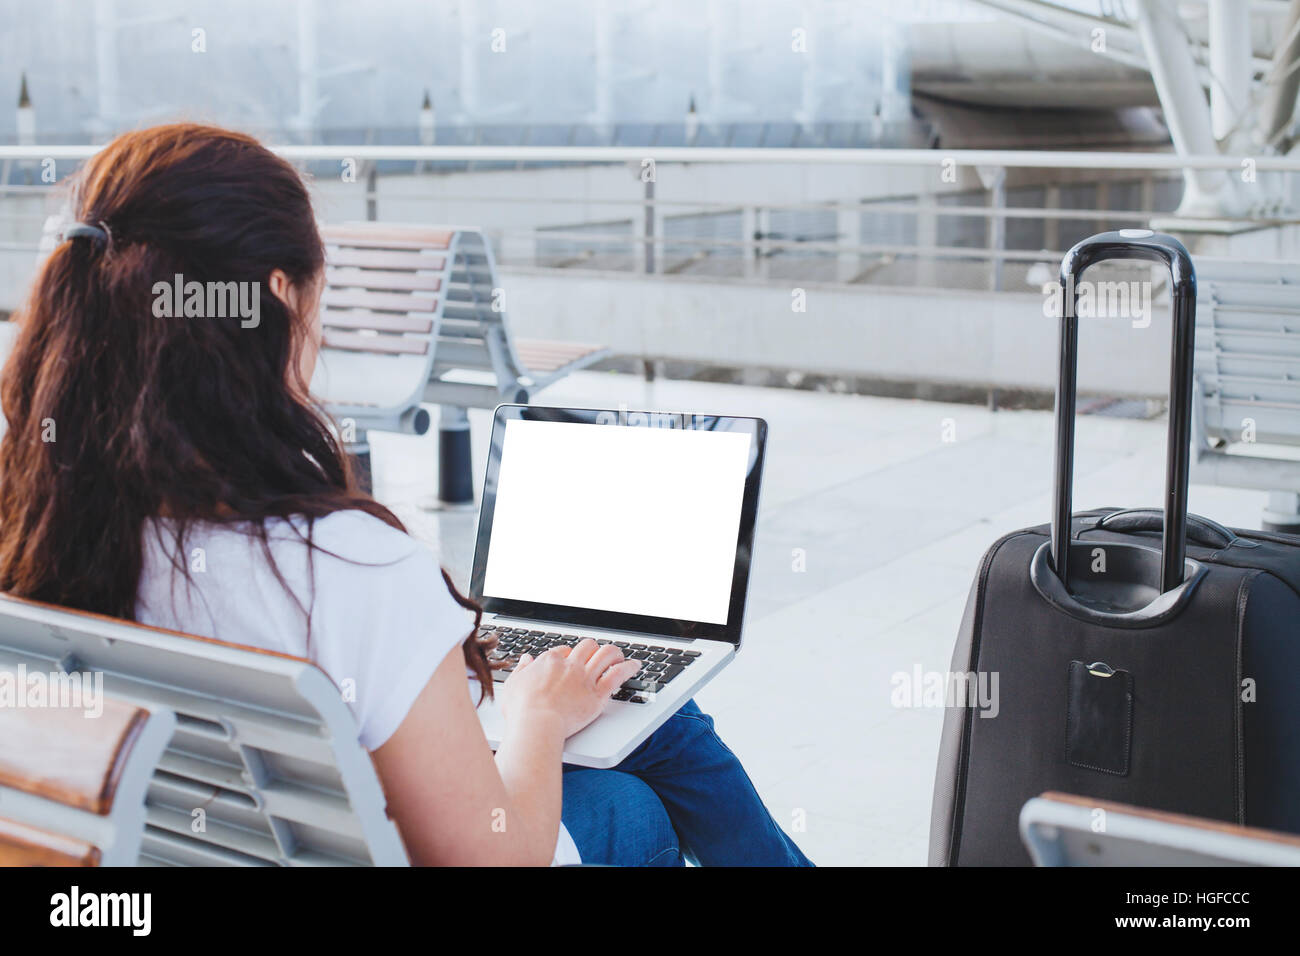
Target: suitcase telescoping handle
{"type": "Point", "coordinates": [1129, 244]}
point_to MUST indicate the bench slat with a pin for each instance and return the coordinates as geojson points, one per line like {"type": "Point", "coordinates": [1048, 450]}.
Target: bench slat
{"type": "Point", "coordinates": [387, 237]}
{"type": "Point", "coordinates": [378, 259]}
{"type": "Point", "coordinates": [383, 280]}
{"type": "Point", "coordinates": [23, 845]}
{"type": "Point", "coordinates": [59, 754]}
{"type": "Point", "coordinates": [386, 301]}
{"type": "Point", "coordinates": [378, 321]}
{"type": "Point", "coordinates": [544, 356]}
{"type": "Point", "coordinates": [386, 344]}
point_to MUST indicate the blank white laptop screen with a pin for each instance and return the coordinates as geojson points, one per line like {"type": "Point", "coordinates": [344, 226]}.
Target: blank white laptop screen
{"type": "Point", "coordinates": [614, 518]}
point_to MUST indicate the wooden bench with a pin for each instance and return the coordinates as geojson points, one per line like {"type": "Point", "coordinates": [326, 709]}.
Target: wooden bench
{"type": "Point", "coordinates": [1247, 389]}
{"type": "Point", "coordinates": [261, 765]}
{"type": "Point", "coordinates": [73, 778]}
{"type": "Point", "coordinates": [414, 314]}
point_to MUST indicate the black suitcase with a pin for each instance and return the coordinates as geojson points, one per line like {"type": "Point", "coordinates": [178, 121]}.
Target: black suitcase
{"type": "Point", "coordinates": [1144, 657]}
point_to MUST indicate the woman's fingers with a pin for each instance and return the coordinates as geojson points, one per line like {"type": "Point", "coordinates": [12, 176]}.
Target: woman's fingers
{"type": "Point", "coordinates": [614, 678]}
{"type": "Point", "coordinates": [606, 657]}
{"type": "Point", "coordinates": [584, 650]}
{"type": "Point", "coordinates": [560, 650]}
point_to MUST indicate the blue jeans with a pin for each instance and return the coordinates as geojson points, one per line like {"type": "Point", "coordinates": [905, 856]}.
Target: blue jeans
{"type": "Point", "coordinates": [680, 795]}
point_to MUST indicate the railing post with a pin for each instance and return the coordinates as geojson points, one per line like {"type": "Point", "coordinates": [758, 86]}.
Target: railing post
{"type": "Point", "coordinates": [848, 228]}
{"type": "Point", "coordinates": [372, 192]}
{"type": "Point", "coordinates": [762, 248]}
{"type": "Point", "coordinates": [749, 251]}
{"type": "Point", "coordinates": [998, 226]}
{"type": "Point", "coordinates": [927, 237]}
{"type": "Point", "coordinates": [650, 226]}
{"type": "Point", "coordinates": [1052, 225]}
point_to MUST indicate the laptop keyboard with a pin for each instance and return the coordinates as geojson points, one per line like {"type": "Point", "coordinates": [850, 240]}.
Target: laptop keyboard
{"type": "Point", "coordinates": [659, 665]}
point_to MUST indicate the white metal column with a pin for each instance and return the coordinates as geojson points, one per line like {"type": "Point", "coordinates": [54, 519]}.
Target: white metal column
{"type": "Point", "coordinates": [810, 78]}
{"type": "Point", "coordinates": [1230, 66]}
{"type": "Point", "coordinates": [1284, 83]}
{"type": "Point", "coordinates": [106, 64]}
{"type": "Point", "coordinates": [602, 114]}
{"type": "Point", "coordinates": [308, 71]}
{"type": "Point", "coordinates": [470, 41]}
{"type": "Point", "coordinates": [1173, 69]}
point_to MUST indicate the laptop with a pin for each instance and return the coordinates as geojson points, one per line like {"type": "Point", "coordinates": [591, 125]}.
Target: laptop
{"type": "Point", "coordinates": [632, 528]}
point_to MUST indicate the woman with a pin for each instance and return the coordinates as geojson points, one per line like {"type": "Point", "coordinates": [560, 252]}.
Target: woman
{"type": "Point", "coordinates": [170, 468]}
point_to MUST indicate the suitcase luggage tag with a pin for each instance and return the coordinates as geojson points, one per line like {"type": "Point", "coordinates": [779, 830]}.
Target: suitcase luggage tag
{"type": "Point", "coordinates": [1099, 717]}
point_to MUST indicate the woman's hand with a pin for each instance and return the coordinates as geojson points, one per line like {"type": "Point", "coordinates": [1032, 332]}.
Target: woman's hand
{"type": "Point", "coordinates": [569, 685]}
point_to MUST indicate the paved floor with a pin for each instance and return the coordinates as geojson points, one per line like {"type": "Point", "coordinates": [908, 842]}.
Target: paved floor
{"type": "Point", "coordinates": [892, 503]}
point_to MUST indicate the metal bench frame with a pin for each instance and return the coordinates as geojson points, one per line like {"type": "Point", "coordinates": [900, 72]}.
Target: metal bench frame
{"type": "Point", "coordinates": [1248, 357]}
{"type": "Point", "coordinates": [264, 744]}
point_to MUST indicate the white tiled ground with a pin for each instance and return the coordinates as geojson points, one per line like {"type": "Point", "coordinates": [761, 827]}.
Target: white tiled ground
{"type": "Point", "coordinates": [893, 521]}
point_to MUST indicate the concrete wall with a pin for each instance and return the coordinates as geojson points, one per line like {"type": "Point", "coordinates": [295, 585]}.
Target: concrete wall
{"type": "Point", "coordinates": [969, 338]}
{"type": "Point", "coordinates": [20, 230]}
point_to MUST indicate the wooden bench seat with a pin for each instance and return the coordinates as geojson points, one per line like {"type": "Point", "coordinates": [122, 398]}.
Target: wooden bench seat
{"type": "Point", "coordinates": [541, 355]}
{"type": "Point", "coordinates": [73, 778]}
{"type": "Point", "coordinates": [23, 845]}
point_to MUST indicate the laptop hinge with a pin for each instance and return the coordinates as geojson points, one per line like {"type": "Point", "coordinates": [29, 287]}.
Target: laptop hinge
{"type": "Point", "coordinates": [553, 626]}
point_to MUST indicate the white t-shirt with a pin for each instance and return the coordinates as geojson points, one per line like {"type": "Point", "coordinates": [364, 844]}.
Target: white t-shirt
{"type": "Point", "coordinates": [382, 619]}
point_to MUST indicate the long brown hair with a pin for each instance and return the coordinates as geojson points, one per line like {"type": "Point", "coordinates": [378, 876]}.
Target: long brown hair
{"type": "Point", "coordinates": [118, 415]}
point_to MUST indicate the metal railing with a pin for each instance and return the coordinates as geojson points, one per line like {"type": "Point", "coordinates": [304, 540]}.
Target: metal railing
{"type": "Point", "coordinates": [522, 155]}
{"type": "Point", "coordinates": [914, 238]}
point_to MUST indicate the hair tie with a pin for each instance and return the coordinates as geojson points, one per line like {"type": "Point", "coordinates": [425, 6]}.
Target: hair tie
{"type": "Point", "coordinates": [98, 234]}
